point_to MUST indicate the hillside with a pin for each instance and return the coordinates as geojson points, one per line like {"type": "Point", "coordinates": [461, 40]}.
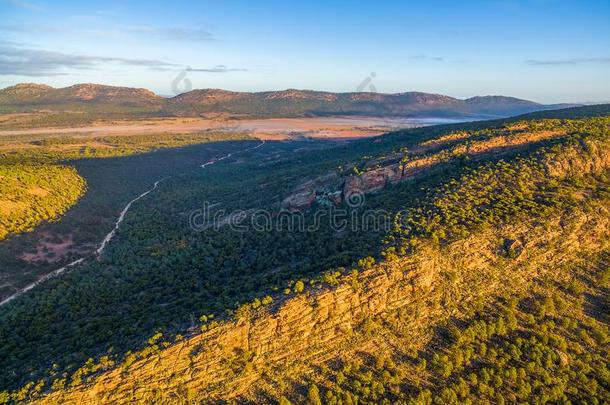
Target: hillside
{"type": "Point", "coordinates": [35, 193]}
{"type": "Point", "coordinates": [299, 102]}
{"type": "Point", "coordinates": [344, 337]}
{"type": "Point", "coordinates": [30, 94]}
{"type": "Point", "coordinates": [473, 267]}
{"type": "Point", "coordinates": [122, 102]}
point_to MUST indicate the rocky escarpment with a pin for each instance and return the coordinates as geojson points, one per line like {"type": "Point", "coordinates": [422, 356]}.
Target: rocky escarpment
{"type": "Point", "coordinates": [304, 195]}
{"type": "Point", "coordinates": [229, 360]}
{"type": "Point", "coordinates": [334, 189]}
{"type": "Point", "coordinates": [587, 157]}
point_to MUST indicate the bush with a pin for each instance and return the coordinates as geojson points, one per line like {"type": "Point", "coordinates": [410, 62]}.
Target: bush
{"type": "Point", "coordinates": [313, 395]}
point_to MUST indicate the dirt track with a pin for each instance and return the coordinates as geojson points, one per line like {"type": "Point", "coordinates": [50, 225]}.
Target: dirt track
{"type": "Point", "coordinates": [112, 233]}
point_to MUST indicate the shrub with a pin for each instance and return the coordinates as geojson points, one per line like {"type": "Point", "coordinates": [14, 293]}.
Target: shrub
{"type": "Point", "coordinates": [313, 395]}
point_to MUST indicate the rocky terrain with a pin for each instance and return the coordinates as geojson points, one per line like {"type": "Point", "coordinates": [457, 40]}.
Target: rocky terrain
{"type": "Point", "coordinates": [376, 174]}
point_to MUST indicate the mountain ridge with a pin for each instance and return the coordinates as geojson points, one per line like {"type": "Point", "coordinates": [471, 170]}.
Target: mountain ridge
{"type": "Point", "coordinates": [288, 102]}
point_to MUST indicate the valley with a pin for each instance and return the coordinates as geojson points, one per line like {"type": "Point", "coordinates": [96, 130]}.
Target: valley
{"type": "Point", "coordinates": [472, 222]}
{"type": "Point", "coordinates": [110, 235]}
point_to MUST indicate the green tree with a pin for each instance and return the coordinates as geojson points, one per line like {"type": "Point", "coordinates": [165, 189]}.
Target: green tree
{"type": "Point", "coordinates": [313, 395]}
{"type": "Point", "coordinates": [284, 401]}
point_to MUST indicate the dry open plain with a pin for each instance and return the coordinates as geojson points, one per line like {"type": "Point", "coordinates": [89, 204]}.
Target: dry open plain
{"type": "Point", "coordinates": [264, 128]}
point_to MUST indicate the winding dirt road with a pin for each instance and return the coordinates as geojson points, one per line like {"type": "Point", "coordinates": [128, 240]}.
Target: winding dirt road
{"type": "Point", "coordinates": [112, 233]}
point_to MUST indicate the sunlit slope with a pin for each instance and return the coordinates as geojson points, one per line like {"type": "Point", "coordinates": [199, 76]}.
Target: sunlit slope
{"type": "Point", "coordinates": [374, 335]}
{"type": "Point", "coordinates": [30, 194]}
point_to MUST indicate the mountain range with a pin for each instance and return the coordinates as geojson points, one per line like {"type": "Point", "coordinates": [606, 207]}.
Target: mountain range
{"type": "Point", "coordinates": [285, 103]}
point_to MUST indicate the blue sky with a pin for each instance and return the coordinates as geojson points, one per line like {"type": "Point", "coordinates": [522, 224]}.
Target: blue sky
{"type": "Point", "coordinates": [543, 50]}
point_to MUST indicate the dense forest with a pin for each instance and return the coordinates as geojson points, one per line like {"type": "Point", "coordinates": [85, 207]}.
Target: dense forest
{"type": "Point", "coordinates": [160, 277]}
{"type": "Point", "coordinates": [48, 174]}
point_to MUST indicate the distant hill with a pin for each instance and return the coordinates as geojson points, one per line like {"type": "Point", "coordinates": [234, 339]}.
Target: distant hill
{"type": "Point", "coordinates": [29, 94]}
{"type": "Point", "coordinates": [285, 103]}
{"type": "Point", "coordinates": [595, 110]}
{"type": "Point", "coordinates": [493, 105]}
{"type": "Point", "coordinates": [304, 102]}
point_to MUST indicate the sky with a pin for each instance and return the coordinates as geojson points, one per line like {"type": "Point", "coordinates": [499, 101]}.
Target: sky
{"type": "Point", "coordinates": [548, 51]}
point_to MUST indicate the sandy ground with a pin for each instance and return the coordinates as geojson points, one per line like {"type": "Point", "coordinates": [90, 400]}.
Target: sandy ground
{"type": "Point", "coordinates": [272, 128]}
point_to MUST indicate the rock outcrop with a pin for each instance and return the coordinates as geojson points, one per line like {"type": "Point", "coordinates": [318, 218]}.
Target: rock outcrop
{"type": "Point", "coordinates": [588, 156]}
{"type": "Point", "coordinates": [305, 194]}
{"type": "Point", "coordinates": [299, 200]}
{"type": "Point", "coordinates": [371, 181]}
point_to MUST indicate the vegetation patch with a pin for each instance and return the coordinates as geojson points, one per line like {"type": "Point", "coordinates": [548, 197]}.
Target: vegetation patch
{"type": "Point", "coordinates": [32, 194]}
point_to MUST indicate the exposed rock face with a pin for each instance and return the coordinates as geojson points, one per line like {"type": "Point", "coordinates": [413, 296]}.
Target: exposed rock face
{"type": "Point", "coordinates": [373, 180]}
{"type": "Point", "coordinates": [588, 157]}
{"type": "Point", "coordinates": [216, 357]}
{"type": "Point", "coordinates": [300, 200]}
{"type": "Point", "coordinates": [336, 190]}
{"type": "Point", "coordinates": [305, 194]}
